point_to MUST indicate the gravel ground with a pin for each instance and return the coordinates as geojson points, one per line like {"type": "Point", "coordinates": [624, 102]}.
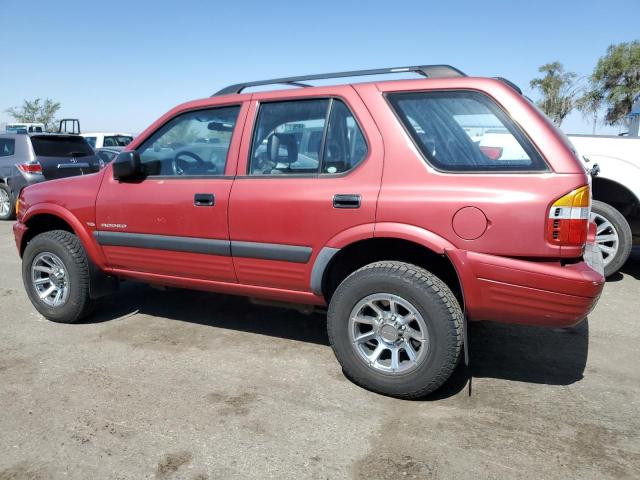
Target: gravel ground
{"type": "Point", "coordinates": [181, 384]}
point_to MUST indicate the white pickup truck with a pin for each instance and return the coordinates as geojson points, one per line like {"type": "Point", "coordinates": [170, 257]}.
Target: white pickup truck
{"type": "Point", "coordinates": [616, 188]}
{"type": "Point", "coordinates": [616, 193]}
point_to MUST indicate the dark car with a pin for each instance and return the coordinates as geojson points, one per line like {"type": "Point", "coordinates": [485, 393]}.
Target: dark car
{"type": "Point", "coordinates": [28, 158]}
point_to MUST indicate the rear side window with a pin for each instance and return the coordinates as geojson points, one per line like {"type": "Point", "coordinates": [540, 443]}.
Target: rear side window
{"type": "Point", "coordinates": [63, 146]}
{"type": "Point", "coordinates": [7, 147]}
{"type": "Point", "coordinates": [465, 131]}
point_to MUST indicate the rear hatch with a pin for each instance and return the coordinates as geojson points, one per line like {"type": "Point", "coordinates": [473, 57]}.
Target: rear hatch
{"type": "Point", "coordinates": [64, 156]}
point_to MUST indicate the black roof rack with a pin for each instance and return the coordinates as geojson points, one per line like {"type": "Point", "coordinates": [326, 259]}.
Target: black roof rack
{"type": "Point", "coordinates": [424, 70]}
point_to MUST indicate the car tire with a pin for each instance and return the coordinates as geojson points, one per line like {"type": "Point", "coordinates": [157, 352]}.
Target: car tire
{"type": "Point", "coordinates": [412, 292]}
{"type": "Point", "coordinates": [615, 239]}
{"type": "Point", "coordinates": [7, 203]}
{"type": "Point", "coordinates": [56, 261]}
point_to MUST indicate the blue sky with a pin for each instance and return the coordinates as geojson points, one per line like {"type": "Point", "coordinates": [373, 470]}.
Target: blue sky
{"type": "Point", "coordinates": [119, 65]}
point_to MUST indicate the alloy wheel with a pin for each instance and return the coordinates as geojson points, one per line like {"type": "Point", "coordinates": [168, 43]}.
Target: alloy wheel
{"type": "Point", "coordinates": [606, 237]}
{"type": "Point", "coordinates": [50, 279]}
{"type": "Point", "coordinates": [388, 333]}
{"type": "Point", "coordinates": [5, 203]}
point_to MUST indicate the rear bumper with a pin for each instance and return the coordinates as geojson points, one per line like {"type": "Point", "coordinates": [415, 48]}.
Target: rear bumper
{"type": "Point", "coordinates": [529, 292]}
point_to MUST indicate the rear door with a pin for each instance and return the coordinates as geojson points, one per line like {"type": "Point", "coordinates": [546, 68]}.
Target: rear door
{"type": "Point", "coordinates": [309, 169]}
{"type": "Point", "coordinates": [173, 222]}
{"type": "Point", "coordinates": [64, 155]}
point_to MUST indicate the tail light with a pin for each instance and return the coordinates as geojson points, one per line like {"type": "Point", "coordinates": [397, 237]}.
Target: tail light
{"type": "Point", "coordinates": [492, 153]}
{"type": "Point", "coordinates": [568, 220]}
{"type": "Point", "coordinates": [30, 167]}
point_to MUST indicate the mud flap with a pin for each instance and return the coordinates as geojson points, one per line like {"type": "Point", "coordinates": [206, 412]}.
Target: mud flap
{"type": "Point", "coordinates": [101, 284]}
{"type": "Point", "coordinates": [465, 346]}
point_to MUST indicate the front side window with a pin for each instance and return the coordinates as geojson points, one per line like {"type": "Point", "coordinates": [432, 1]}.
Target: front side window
{"type": "Point", "coordinates": [7, 147]}
{"type": "Point", "coordinates": [305, 137]}
{"type": "Point", "coordinates": [465, 131]}
{"type": "Point", "coordinates": [194, 143]}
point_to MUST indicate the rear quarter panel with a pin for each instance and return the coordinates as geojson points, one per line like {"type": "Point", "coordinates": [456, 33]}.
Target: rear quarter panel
{"type": "Point", "coordinates": [516, 205]}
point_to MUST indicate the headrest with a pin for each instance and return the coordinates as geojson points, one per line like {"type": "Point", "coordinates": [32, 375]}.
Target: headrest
{"type": "Point", "coordinates": [286, 140]}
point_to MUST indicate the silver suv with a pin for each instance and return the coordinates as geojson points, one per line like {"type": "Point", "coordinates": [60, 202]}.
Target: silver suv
{"type": "Point", "coordinates": [27, 158]}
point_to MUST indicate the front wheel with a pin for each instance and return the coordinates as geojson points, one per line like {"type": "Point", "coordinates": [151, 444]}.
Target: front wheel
{"type": "Point", "coordinates": [396, 329]}
{"type": "Point", "coordinates": [613, 236]}
{"type": "Point", "coordinates": [55, 272]}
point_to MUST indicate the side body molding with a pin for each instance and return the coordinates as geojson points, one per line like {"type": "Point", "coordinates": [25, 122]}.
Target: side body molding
{"type": "Point", "coordinates": [319, 267]}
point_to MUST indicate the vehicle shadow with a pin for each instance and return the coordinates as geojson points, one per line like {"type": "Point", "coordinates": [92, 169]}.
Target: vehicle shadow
{"type": "Point", "coordinates": [631, 267]}
{"type": "Point", "coordinates": [509, 352]}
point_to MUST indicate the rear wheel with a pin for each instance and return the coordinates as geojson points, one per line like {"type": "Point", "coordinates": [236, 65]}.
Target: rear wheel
{"type": "Point", "coordinates": [613, 236]}
{"type": "Point", "coordinates": [396, 329]}
{"type": "Point", "coordinates": [7, 204]}
{"type": "Point", "coordinates": [55, 272]}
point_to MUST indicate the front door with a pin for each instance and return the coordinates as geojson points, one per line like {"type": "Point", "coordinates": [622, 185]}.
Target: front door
{"type": "Point", "coordinates": [173, 222]}
{"type": "Point", "coordinates": [309, 169]}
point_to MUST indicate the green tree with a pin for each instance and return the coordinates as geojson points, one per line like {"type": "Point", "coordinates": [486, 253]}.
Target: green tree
{"type": "Point", "coordinates": [590, 104]}
{"type": "Point", "coordinates": [558, 90]}
{"type": "Point", "coordinates": [37, 111]}
{"type": "Point", "coordinates": [617, 76]}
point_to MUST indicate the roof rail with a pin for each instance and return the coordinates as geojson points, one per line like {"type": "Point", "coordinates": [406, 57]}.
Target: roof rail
{"type": "Point", "coordinates": [424, 70]}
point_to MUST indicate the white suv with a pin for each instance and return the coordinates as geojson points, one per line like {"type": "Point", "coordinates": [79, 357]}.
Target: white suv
{"type": "Point", "coordinates": [107, 139]}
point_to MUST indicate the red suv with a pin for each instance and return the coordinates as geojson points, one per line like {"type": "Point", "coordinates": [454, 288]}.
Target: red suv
{"type": "Point", "coordinates": [404, 206]}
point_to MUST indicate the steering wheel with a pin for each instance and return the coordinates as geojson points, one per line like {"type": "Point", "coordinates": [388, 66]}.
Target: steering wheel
{"type": "Point", "coordinates": [183, 166]}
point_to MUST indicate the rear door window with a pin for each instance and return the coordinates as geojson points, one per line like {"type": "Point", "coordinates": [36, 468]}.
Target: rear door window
{"type": "Point", "coordinates": [306, 137]}
{"type": "Point", "coordinates": [465, 131]}
{"type": "Point", "coordinates": [61, 146]}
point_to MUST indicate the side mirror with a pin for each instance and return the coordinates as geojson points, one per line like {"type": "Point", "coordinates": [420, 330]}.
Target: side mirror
{"type": "Point", "coordinates": [127, 165]}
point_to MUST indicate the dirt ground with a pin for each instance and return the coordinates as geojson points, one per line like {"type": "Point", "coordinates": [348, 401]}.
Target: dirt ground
{"type": "Point", "coordinates": [190, 385]}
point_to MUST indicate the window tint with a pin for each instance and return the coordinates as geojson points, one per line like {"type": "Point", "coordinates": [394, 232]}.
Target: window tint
{"type": "Point", "coordinates": [91, 141]}
{"type": "Point", "coordinates": [293, 137]}
{"type": "Point", "coordinates": [194, 143]}
{"type": "Point", "coordinates": [63, 146]}
{"type": "Point", "coordinates": [465, 131]}
{"type": "Point", "coordinates": [345, 145]}
{"type": "Point", "coordinates": [7, 147]}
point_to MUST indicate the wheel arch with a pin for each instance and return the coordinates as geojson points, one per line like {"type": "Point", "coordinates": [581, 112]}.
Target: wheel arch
{"type": "Point", "coordinates": [45, 217]}
{"type": "Point", "coordinates": [333, 265]}
{"type": "Point", "coordinates": [617, 195]}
